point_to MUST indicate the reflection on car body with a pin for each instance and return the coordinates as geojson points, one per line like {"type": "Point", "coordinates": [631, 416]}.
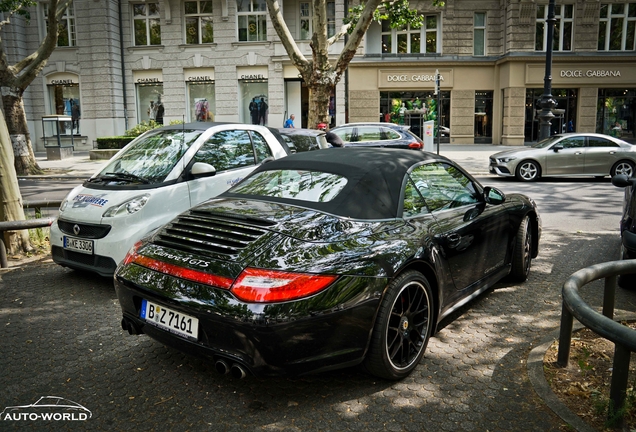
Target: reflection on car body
{"type": "Point", "coordinates": [369, 134]}
{"type": "Point", "coordinates": [569, 154]}
{"type": "Point", "coordinates": [328, 259]}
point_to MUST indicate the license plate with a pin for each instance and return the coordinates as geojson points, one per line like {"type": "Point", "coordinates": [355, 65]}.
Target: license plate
{"type": "Point", "coordinates": [78, 245]}
{"type": "Point", "coordinates": [175, 322]}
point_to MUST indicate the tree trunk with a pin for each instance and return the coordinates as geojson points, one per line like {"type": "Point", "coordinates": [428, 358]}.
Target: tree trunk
{"type": "Point", "coordinates": [11, 208]}
{"type": "Point", "coordinates": [20, 139]}
{"type": "Point", "coordinates": [319, 95]}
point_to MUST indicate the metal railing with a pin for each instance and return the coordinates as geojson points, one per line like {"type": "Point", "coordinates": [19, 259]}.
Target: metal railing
{"type": "Point", "coordinates": [624, 338]}
{"type": "Point", "coordinates": [38, 222]}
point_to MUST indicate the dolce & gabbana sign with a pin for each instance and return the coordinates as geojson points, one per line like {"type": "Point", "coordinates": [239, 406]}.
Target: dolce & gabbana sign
{"type": "Point", "coordinates": [590, 73]}
{"type": "Point", "coordinates": [412, 78]}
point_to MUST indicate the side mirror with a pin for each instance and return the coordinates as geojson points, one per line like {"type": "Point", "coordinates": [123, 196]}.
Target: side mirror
{"type": "Point", "coordinates": [494, 196]}
{"type": "Point", "coordinates": [202, 169]}
{"type": "Point", "coordinates": [557, 147]}
{"type": "Point", "coordinates": [621, 180]}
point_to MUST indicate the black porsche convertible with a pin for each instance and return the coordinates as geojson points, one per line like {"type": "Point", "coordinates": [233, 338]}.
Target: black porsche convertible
{"type": "Point", "coordinates": [326, 259]}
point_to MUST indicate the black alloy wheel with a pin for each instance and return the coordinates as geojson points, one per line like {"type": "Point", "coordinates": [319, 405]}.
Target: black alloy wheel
{"type": "Point", "coordinates": [528, 171]}
{"type": "Point", "coordinates": [403, 327]}
{"type": "Point", "coordinates": [522, 254]}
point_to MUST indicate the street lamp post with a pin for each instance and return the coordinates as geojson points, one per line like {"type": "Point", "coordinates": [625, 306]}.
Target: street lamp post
{"type": "Point", "coordinates": [547, 102]}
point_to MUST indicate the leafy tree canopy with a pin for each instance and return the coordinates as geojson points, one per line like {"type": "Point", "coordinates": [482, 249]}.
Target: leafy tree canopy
{"type": "Point", "coordinates": [398, 13]}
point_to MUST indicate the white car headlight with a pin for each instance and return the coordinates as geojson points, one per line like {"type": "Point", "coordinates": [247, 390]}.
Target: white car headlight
{"type": "Point", "coordinates": [131, 206]}
{"type": "Point", "coordinates": [506, 159]}
{"type": "Point", "coordinates": [63, 205]}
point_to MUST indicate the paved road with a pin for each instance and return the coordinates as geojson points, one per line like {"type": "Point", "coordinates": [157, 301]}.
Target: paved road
{"type": "Point", "coordinates": [61, 337]}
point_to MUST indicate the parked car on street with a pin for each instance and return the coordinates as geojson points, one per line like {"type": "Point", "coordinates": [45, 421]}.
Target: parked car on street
{"type": "Point", "coordinates": [567, 155]}
{"type": "Point", "coordinates": [627, 226]}
{"type": "Point", "coordinates": [327, 259]}
{"type": "Point", "coordinates": [378, 135]}
{"type": "Point", "coordinates": [299, 140]}
{"type": "Point", "coordinates": [154, 178]}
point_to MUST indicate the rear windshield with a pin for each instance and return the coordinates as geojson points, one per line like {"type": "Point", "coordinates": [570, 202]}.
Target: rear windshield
{"type": "Point", "coordinates": [312, 186]}
{"type": "Point", "coordinates": [150, 159]}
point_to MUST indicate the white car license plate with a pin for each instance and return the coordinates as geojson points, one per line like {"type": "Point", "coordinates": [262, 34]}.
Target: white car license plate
{"type": "Point", "coordinates": [78, 245]}
{"type": "Point", "coordinates": [170, 320]}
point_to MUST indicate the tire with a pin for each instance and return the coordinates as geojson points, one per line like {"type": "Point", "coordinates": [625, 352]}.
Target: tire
{"type": "Point", "coordinates": [623, 167]}
{"type": "Point", "coordinates": [528, 171]}
{"type": "Point", "coordinates": [522, 254]}
{"type": "Point", "coordinates": [402, 328]}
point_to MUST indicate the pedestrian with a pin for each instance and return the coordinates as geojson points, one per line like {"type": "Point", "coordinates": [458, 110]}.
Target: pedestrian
{"type": "Point", "coordinates": [289, 123]}
{"type": "Point", "coordinates": [570, 126]}
{"type": "Point", "coordinates": [262, 110]}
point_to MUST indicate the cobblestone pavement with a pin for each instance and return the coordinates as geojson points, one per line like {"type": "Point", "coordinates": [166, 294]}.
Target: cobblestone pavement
{"type": "Point", "coordinates": [61, 337]}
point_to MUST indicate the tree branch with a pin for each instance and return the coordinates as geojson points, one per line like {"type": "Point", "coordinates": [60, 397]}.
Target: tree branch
{"type": "Point", "coordinates": [285, 36]}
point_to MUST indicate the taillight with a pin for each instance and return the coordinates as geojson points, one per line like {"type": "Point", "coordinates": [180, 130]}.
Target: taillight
{"type": "Point", "coordinates": [182, 272]}
{"type": "Point", "coordinates": [268, 286]}
{"type": "Point", "coordinates": [132, 253]}
{"type": "Point", "coordinates": [415, 145]}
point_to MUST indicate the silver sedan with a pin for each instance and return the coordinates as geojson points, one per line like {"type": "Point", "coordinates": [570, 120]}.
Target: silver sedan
{"type": "Point", "coordinates": [570, 154]}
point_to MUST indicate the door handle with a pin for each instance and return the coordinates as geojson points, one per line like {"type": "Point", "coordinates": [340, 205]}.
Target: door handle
{"type": "Point", "coordinates": [612, 152]}
{"type": "Point", "coordinates": [577, 153]}
{"type": "Point", "coordinates": [453, 237]}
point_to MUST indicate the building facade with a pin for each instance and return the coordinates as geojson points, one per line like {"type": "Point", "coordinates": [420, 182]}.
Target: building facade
{"type": "Point", "coordinates": [121, 62]}
{"type": "Point", "coordinates": [491, 58]}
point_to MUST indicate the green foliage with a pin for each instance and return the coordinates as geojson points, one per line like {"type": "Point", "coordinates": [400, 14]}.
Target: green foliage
{"type": "Point", "coordinates": [113, 142]}
{"type": "Point", "coordinates": [398, 14]}
{"type": "Point", "coordinates": [141, 128]}
{"type": "Point", "coordinates": [19, 7]}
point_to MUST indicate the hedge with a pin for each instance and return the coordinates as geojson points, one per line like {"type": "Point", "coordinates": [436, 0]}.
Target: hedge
{"type": "Point", "coordinates": [117, 142]}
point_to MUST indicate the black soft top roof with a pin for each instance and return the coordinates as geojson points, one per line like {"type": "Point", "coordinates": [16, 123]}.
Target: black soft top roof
{"type": "Point", "coordinates": [374, 178]}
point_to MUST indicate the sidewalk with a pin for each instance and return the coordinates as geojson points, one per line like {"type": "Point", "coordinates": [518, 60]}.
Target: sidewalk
{"type": "Point", "coordinates": [472, 157]}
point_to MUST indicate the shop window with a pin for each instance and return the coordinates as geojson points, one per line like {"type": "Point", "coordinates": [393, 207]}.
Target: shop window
{"type": "Point", "coordinates": [64, 99]}
{"type": "Point", "coordinates": [413, 108]}
{"type": "Point", "coordinates": [146, 23]}
{"type": "Point", "coordinates": [254, 106]}
{"type": "Point", "coordinates": [202, 98]}
{"type": "Point", "coordinates": [408, 39]}
{"type": "Point", "coordinates": [150, 102]}
{"type": "Point", "coordinates": [564, 114]}
{"type": "Point", "coordinates": [479, 34]}
{"type": "Point", "coordinates": [66, 26]}
{"type": "Point", "coordinates": [616, 112]}
{"type": "Point", "coordinates": [617, 27]}
{"type": "Point", "coordinates": [564, 19]}
{"type": "Point", "coordinates": [252, 20]}
{"type": "Point", "coordinates": [198, 22]}
{"type": "Point", "coordinates": [306, 20]}
{"type": "Point", "coordinates": [483, 117]}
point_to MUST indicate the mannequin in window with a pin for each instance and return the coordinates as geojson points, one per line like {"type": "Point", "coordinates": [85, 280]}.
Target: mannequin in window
{"type": "Point", "coordinates": [75, 116]}
{"type": "Point", "coordinates": [202, 110]}
{"type": "Point", "coordinates": [160, 111]}
{"type": "Point", "coordinates": [152, 111]}
{"type": "Point", "coordinates": [254, 111]}
{"type": "Point", "coordinates": [262, 109]}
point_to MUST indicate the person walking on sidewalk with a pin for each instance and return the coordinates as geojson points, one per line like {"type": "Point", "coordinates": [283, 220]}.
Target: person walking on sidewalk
{"type": "Point", "coordinates": [289, 123]}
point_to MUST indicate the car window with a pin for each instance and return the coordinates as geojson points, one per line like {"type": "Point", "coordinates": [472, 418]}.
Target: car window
{"type": "Point", "coordinates": [345, 134]}
{"type": "Point", "coordinates": [443, 186]}
{"type": "Point", "coordinates": [600, 142]}
{"type": "Point", "coordinates": [414, 203]}
{"type": "Point", "coordinates": [227, 150]}
{"type": "Point", "coordinates": [261, 148]}
{"type": "Point", "coordinates": [369, 133]}
{"type": "Point", "coordinates": [311, 186]}
{"type": "Point", "coordinates": [301, 142]}
{"type": "Point", "coordinates": [574, 142]}
{"type": "Point", "coordinates": [154, 155]}
{"type": "Point", "coordinates": [390, 134]}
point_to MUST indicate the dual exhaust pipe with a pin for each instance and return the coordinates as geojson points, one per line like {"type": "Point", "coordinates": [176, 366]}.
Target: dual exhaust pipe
{"type": "Point", "coordinates": [236, 370]}
{"type": "Point", "coordinates": [221, 366]}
